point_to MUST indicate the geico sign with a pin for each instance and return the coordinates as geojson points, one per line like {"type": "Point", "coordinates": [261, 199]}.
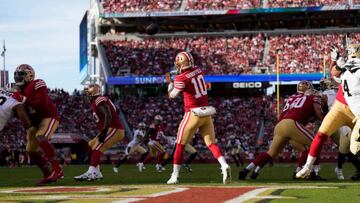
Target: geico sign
{"type": "Point", "coordinates": [247, 85]}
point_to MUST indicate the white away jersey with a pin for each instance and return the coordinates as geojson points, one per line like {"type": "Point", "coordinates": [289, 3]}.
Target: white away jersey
{"type": "Point", "coordinates": [350, 81]}
{"type": "Point", "coordinates": [6, 105]}
{"type": "Point", "coordinates": [137, 138]}
{"type": "Point", "coordinates": [331, 97]}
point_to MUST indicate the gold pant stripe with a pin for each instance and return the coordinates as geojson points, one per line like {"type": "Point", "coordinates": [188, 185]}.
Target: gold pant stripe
{"type": "Point", "coordinates": [304, 130]}
{"type": "Point", "coordinates": [182, 126]}
{"type": "Point", "coordinates": [106, 139]}
{"type": "Point", "coordinates": [51, 125]}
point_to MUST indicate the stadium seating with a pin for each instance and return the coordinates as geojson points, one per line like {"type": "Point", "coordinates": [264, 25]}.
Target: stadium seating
{"type": "Point", "coordinates": [221, 55]}
{"type": "Point", "coordinates": [118, 6]}
{"type": "Point", "coordinates": [302, 53]}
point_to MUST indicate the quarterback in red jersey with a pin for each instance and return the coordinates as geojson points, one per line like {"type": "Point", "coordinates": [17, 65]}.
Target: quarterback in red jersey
{"type": "Point", "coordinates": [110, 127]}
{"type": "Point", "coordinates": [296, 113]}
{"type": "Point", "coordinates": [190, 81]}
{"type": "Point", "coordinates": [44, 117]}
{"type": "Point", "coordinates": [338, 116]}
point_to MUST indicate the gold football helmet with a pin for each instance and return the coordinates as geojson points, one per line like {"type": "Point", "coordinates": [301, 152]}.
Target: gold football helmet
{"type": "Point", "coordinates": [303, 86]}
{"type": "Point", "coordinates": [353, 51]}
{"type": "Point", "coordinates": [93, 90]}
{"type": "Point", "coordinates": [24, 74]}
{"type": "Point", "coordinates": [158, 119]}
{"type": "Point", "coordinates": [183, 60]}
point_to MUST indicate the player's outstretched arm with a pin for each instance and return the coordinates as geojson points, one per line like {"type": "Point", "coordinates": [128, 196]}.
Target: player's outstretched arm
{"type": "Point", "coordinates": [318, 111]}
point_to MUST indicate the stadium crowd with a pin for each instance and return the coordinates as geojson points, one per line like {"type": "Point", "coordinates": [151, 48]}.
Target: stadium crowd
{"type": "Point", "coordinates": [119, 6]}
{"type": "Point", "coordinates": [302, 53]}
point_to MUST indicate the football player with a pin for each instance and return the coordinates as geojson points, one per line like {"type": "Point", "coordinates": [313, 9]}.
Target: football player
{"type": "Point", "coordinates": [45, 119]}
{"type": "Point", "coordinates": [338, 116]}
{"type": "Point", "coordinates": [235, 147]}
{"type": "Point", "coordinates": [296, 113]}
{"type": "Point", "coordinates": [10, 107]}
{"type": "Point", "coordinates": [110, 127]}
{"type": "Point", "coordinates": [135, 147]}
{"type": "Point", "coordinates": [198, 114]}
{"type": "Point", "coordinates": [154, 137]}
{"type": "Point", "coordinates": [342, 136]}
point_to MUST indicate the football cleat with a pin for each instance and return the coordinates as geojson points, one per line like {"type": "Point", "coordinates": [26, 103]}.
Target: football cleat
{"type": "Point", "coordinates": [140, 166]}
{"type": "Point", "coordinates": [56, 175]}
{"type": "Point", "coordinates": [226, 172]}
{"type": "Point", "coordinates": [116, 169]}
{"type": "Point", "coordinates": [356, 176]}
{"type": "Point", "coordinates": [314, 176]}
{"type": "Point", "coordinates": [89, 176]}
{"type": "Point", "coordinates": [187, 167]}
{"type": "Point", "coordinates": [173, 180]}
{"type": "Point", "coordinates": [159, 168]}
{"type": "Point", "coordinates": [304, 172]}
{"type": "Point", "coordinates": [254, 175]}
{"type": "Point", "coordinates": [339, 173]}
{"type": "Point", "coordinates": [243, 173]}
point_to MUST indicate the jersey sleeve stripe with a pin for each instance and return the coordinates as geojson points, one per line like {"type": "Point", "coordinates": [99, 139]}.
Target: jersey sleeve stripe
{"type": "Point", "coordinates": [99, 100]}
{"type": "Point", "coordinates": [38, 86]}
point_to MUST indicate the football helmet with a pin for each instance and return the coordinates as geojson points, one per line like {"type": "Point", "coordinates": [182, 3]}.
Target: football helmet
{"type": "Point", "coordinates": [158, 119]}
{"type": "Point", "coordinates": [303, 86]}
{"type": "Point", "coordinates": [141, 125]}
{"type": "Point", "coordinates": [328, 84]}
{"type": "Point", "coordinates": [183, 60]}
{"type": "Point", "coordinates": [353, 51]}
{"type": "Point", "coordinates": [93, 90]}
{"type": "Point", "coordinates": [24, 74]}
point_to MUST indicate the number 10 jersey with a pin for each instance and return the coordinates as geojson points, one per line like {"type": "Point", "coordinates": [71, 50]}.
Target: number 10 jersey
{"type": "Point", "coordinates": [191, 82]}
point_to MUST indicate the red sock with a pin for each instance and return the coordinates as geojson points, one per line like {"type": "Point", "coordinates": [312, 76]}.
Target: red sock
{"type": "Point", "coordinates": [40, 162]}
{"type": "Point", "coordinates": [262, 159]}
{"type": "Point", "coordinates": [95, 158]}
{"type": "Point", "coordinates": [302, 158]}
{"type": "Point", "coordinates": [160, 158]}
{"type": "Point", "coordinates": [148, 159]}
{"type": "Point", "coordinates": [215, 150]}
{"type": "Point", "coordinates": [317, 144]}
{"type": "Point", "coordinates": [50, 155]}
{"type": "Point", "coordinates": [178, 155]}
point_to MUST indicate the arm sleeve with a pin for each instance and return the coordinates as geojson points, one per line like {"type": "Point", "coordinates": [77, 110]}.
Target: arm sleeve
{"type": "Point", "coordinates": [39, 97]}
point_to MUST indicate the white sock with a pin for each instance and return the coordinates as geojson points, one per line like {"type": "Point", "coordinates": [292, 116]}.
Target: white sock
{"type": "Point", "coordinates": [250, 166]}
{"type": "Point", "coordinates": [176, 169]}
{"type": "Point", "coordinates": [257, 169]}
{"type": "Point", "coordinates": [98, 168]}
{"type": "Point", "coordinates": [92, 169]}
{"type": "Point", "coordinates": [222, 161]}
{"type": "Point", "coordinates": [310, 161]}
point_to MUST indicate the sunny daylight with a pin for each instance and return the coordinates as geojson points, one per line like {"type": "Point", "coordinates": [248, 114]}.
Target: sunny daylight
{"type": "Point", "coordinates": [179, 101]}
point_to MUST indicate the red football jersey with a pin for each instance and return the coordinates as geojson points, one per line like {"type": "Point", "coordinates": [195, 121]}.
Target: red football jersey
{"type": "Point", "coordinates": [340, 95]}
{"type": "Point", "coordinates": [191, 82]}
{"type": "Point", "coordinates": [115, 123]}
{"type": "Point", "coordinates": [300, 108]}
{"type": "Point", "coordinates": [38, 101]}
{"type": "Point", "coordinates": [157, 133]}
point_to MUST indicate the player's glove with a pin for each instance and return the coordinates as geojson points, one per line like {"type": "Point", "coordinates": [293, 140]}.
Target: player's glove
{"type": "Point", "coordinates": [19, 97]}
{"type": "Point", "coordinates": [334, 53]}
{"type": "Point", "coordinates": [102, 135]}
{"type": "Point", "coordinates": [340, 62]}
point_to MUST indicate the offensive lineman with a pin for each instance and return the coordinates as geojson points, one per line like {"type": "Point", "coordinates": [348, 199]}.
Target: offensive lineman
{"type": "Point", "coordinates": [190, 81]}
{"type": "Point", "coordinates": [110, 127]}
{"type": "Point", "coordinates": [45, 119]}
{"type": "Point", "coordinates": [133, 147]}
{"type": "Point", "coordinates": [299, 108]}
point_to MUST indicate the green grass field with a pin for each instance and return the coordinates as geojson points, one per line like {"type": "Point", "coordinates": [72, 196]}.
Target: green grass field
{"type": "Point", "coordinates": [129, 183]}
